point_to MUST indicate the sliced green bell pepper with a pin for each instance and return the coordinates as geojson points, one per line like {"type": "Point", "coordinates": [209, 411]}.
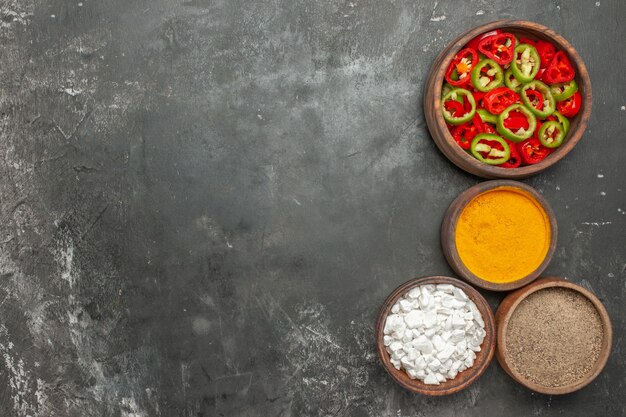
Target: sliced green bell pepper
{"type": "Point", "coordinates": [446, 89]}
{"type": "Point", "coordinates": [487, 117]}
{"type": "Point", "coordinates": [457, 94]}
{"type": "Point", "coordinates": [563, 91]}
{"type": "Point", "coordinates": [549, 104]}
{"type": "Point", "coordinates": [492, 155]}
{"type": "Point", "coordinates": [551, 134]}
{"type": "Point", "coordinates": [510, 81]}
{"type": "Point", "coordinates": [563, 120]}
{"type": "Point", "coordinates": [483, 82]}
{"type": "Point", "coordinates": [525, 64]}
{"type": "Point", "coordinates": [521, 134]}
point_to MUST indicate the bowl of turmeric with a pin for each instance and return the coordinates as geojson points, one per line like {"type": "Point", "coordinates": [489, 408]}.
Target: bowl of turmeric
{"type": "Point", "coordinates": [499, 235]}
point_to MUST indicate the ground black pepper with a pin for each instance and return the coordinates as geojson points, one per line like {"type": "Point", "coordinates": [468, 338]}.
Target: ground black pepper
{"type": "Point", "coordinates": [554, 337]}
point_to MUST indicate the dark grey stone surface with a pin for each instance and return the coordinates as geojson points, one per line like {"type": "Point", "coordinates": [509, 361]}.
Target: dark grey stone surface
{"type": "Point", "coordinates": [205, 202]}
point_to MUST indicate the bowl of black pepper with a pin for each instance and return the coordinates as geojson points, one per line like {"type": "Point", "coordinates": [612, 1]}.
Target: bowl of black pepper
{"type": "Point", "coordinates": [553, 336]}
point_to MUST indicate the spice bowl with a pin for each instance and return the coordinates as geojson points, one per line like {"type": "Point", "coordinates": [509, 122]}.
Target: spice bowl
{"type": "Point", "coordinates": [433, 103]}
{"type": "Point", "coordinates": [540, 365]}
{"type": "Point", "coordinates": [462, 379]}
{"type": "Point", "coordinates": [499, 235]}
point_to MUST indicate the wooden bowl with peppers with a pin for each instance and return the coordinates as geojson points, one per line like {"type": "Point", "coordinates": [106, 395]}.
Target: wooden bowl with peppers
{"type": "Point", "coordinates": [507, 99]}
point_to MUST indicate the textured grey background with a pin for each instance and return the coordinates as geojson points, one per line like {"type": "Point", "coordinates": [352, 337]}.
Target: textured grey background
{"type": "Point", "coordinates": [205, 202]}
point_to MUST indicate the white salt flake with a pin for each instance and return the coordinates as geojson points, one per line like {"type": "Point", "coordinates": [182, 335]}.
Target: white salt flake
{"type": "Point", "coordinates": [406, 305]}
{"type": "Point", "coordinates": [414, 293]}
{"type": "Point", "coordinates": [431, 379]}
{"type": "Point", "coordinates": [423, 344]}
{"type": "Point", "coordinates": [414, 318]}
{"type": "Point", "coordinates": [430, 319]}
{"type": "Point", "coordinates": [446, 288]}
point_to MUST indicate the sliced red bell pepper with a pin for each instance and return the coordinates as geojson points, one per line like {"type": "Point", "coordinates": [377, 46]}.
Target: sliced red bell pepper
{"type": "Point", "coordinates": [560, 70]}
{"type": "Point", "coordinates": [474, 42]}
{"type": "Point", "coordinates": [478, 97]}
{"type": "Point", "coordinates": [540, 74]}
{"type": "Point", "coordinates": [570, 106]}
{"type": "Point", "coordinates": [515, 160]}
{"type": "Point", "coordinates": [463, 134]}
{"type": "Point", "coordinates": [498, 47]}
{"type": "Point", "coordinates": [467, 105]}
{"type": "Point", "coordinates": [457, 109]}
{"type": "Point", "coordinates": [532, 151]}
{"type": "Point", "coordinates": [487, 128]}
{"type": "Point", "coordinates": [546, 52]}
{"type": "Point", "coordinates": [498, 99]}
{"type": "Point", "coordinates": [458, 73]}
{"type": "Point", "coordinates": [536, 132]}
{"type": "Point", "coordinates": [527, 41]}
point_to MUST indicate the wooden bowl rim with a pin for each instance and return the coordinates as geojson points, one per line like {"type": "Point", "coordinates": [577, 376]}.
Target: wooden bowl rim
{"type": "Point", "coordinates": [463, 379]}
{"type": "Point", "coordinates": [450, 221]}
{"type": "Point", "coordinates": [505, 316]}
{"type": "Point", "coordinates": [453, 151]}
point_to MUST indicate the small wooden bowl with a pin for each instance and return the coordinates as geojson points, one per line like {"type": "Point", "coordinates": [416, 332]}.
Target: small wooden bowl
{"type": "Point", "coordinates": [437, 125]}
{"type": "Point", "coordinates": [448, 234]}
{"type": "Point", "coordinates": [463, 379]}
{"type": "Point", "coordinates": [505, 312]}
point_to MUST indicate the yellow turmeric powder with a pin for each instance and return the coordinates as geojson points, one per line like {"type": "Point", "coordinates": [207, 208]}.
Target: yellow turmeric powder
{"type": "Point", "coordinates": [503, 235]}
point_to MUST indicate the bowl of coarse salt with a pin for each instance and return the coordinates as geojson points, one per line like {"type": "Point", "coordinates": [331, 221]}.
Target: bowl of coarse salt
{"type": "Point", "coordinates": [435, 335]}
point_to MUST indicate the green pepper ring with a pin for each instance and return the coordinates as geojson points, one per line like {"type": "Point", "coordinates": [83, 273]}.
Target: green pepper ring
{"type": "Point", "coordinates": [563, 120]}
{"type": "Point", "coordinates": [495, 138]}
{"type": "Point", "coordinates": [508, 133]}
{"type": "Point", "coordinates": [559, 139]}
{"type": "Point", "coordinates": [547, 95]}
{"type": "Point", "coordinates": [570, 88]}
{"type": "Point", "coordinates": [513, 84]}
{"type": "Point", "coordinates": [497, 79]}
{"type": "Point", "coordinates": [446, 89]}
{"type": "Point", "coordinates": [517, 72]}
{"type": "Point", "coordinates": [463, 119]}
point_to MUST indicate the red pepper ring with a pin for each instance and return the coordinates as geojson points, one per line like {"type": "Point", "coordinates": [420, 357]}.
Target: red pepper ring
{"type": "Point", "coordinates": [499, 48]}
{"type": "Point", "coordinates": [570, 106]}
{"type": "Point", "coordinates": [560, 70]}
{"type": "Point", "coordinates": [463, 134]}
{"type": "Point", "coordinates": [532, 151]}
{"type": "Point", "coordinates": [461, 67]}
{"type": "Point", "coordinates": [536, 132]}
{"type": "Point", "coordinates": [457, 109]}
{"type": "Point", "coordinates": [546, 52]}
{"type": "Point", "coordinates": [527, 41]}
{"type": "Point", "coordinates": [478, 96]}
{"type": "Point", "coordinates": [498, 99]}
{"type": "Point", "coordinates": [535, 98]}
{"type": "Point", "coordinates": [515, 160]}
{"type": "Point", "coordinates": [474, 42]}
